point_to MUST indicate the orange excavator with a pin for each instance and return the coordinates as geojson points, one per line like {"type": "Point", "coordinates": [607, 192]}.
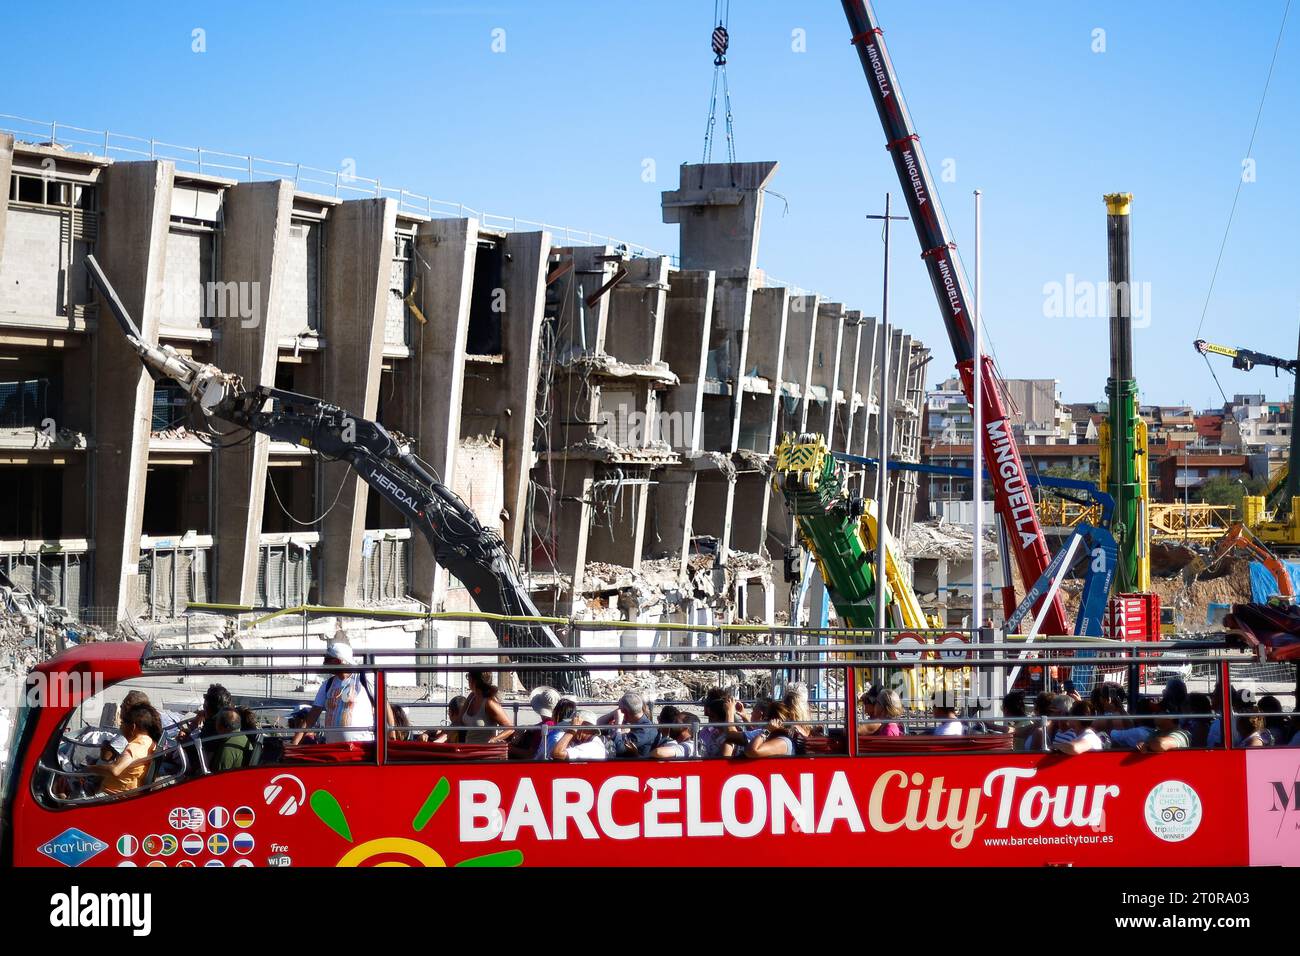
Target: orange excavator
{"type": "Point", "coordinates": [1239, 536]}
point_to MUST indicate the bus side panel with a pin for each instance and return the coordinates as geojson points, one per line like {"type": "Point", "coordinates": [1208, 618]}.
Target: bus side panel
{"type": "Point", "coordinates": [1273, 805]}
{"type": "Point", "coordinates": [1180, 808]}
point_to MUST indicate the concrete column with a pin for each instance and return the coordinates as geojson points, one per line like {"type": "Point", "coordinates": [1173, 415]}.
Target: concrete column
{"type": "Point", "coordinates": [573, 525]}
{"type": "Point", "coordinates": [827, 341]}
{"type": "Point", "coordinates": [674, 503]}
{"type": "Point", "coordinates": [636, 332]}
{"type": "Point", "coordinates": [524, 281]}
{"type": "Point", "coordinates": [136, 199]}
{"type": "Point", "coordinates": [6, 170]}
{"type": "Point", "coordinates": [769, 315]}
{"type": "Point", "coordinates": [730, 343]}
{"type": "Point", "coordinates": [687, 319]}
{"type": "Point", "coordinates": [799, 350]}
{"type": "Point", "coordinates": [254, 234]}
{"type": "Point", "coordinates": [444, 269]}
{"type": "Point", "coordinates": [899, 364]}
{"type": "Point", "coordinates": [583, 320]}
{"type": "Point", "coordinates": [849, 355]}
{"type": "Point", "coordinates": [864, 385]}
{"type": "Point", "coordinates": [719, 207]}
{"type": "Point", "coordinates": [688, 316]}
{"type": "Point", "coordinates": [359, 245]}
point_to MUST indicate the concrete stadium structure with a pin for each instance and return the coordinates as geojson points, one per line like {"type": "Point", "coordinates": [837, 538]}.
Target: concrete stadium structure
{"type": "Point", "coordinates": [609, 411]}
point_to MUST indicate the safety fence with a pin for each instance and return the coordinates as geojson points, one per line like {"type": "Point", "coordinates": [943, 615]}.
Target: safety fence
{"type": "Point", "coordinates": [340, 183]}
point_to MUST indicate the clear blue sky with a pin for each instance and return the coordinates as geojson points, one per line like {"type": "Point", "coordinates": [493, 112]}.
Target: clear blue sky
{"type": "Point", "coordinates": [557, 128]}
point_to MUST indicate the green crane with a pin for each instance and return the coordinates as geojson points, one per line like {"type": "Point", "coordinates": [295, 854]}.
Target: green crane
{"type": "Point", "coordinates": [1124, 460]}
{"type": "Point", "coordinates": [841, 532]}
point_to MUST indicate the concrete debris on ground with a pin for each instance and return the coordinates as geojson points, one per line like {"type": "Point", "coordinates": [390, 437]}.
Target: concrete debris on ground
{"type": "Point", "coordinates": [1227, 583]}
{"type": "Point", "coordinates": [755, 461]}
{"type": "Point", "coordinates": [40, 438]}
{"type": "Point", "coordinates": [658, 582]}
{"type": "Point", "coordinates": [608, 365]}
{"type": "Point", "coordinates": [175, 433]}
{"type": "Point", "coordinates": [941, 539]}
{"type": "Point", "coordinates": [481, 441]}
{"type": "Point", "coordinates": [749, 561]}
{"type": "Point", "coordinates": [603, 448]}
{"type": "Point", "coordinates": [718, 460]}
{"type": "Point", "coordinates": [654, 687]}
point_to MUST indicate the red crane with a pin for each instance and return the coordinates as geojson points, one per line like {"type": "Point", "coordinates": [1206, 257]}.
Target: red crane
{"type": "Point", "coordinates": [1013, 500]}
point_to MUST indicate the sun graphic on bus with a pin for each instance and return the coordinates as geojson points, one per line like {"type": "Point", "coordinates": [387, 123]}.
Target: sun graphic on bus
{"type": "Point", "coordinates": [400, 851]}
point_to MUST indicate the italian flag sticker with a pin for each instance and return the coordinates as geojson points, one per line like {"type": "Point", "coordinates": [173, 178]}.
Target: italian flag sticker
{"type": "Point", "coordinates": [127, 845]}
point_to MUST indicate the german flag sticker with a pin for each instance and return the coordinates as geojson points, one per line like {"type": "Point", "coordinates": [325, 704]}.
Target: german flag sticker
{"type": "Point", "coordinates": [244, 817]}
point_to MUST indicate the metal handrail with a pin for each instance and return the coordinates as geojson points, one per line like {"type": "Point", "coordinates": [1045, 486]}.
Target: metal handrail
{"type": "Point", "coordinates": [496, 650]}
{"type": "Point", "coordinates": [54, 772]}
{"type": "Point", "coordinates": [250, 167]}
{"type": "Point", "coordinates": [519, 666]}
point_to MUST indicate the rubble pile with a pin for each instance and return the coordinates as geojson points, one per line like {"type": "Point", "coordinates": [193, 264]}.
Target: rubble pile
{"type": "Point", "coordinates": [653, 686]}
{"type": "Point", "coordinates": [40, 438]}
{"type": "Point", "coordinates": [604, 449]}
{"type": "Point", "coordinates": [607, 365]}
{"type": "Point", "coordinates": [755, 461]}
{"type": "Point", "coordinates": [718, 460]}
{"type": "Point", "coordinates": [1227, 583]}
{"type": "Point", "coordinates": [941, 539]}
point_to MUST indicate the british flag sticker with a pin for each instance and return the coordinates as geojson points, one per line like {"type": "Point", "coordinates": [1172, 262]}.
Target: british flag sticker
{"type": "Point", "coordinates": [186, 818]}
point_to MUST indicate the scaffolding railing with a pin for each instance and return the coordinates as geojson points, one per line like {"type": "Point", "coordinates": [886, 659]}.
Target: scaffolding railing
{"type": "Point", "coordinates": [338, 183]}
{"type": "Point", "coordinates": [1198, 522]}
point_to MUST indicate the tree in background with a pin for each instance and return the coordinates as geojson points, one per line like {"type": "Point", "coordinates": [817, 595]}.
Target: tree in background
{"type": "Point", "coordinates": [1222, 490]}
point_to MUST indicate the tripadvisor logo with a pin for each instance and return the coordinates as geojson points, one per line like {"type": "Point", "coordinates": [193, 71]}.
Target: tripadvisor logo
{"type": "Point", "coordinates": [1173, 811]}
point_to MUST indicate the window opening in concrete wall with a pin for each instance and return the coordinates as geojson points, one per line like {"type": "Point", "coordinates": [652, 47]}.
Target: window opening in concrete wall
{"type": "Point", "coordinates": [176, 499]}
{"type": "Point", "coordinates": [397, 322]}
{"type": "Point", "coordinates": [304, 273]}
{"type": "Point", "coordinates": [33, 496]}
{"type": "Point", "coordinates": [56, 223]}
{"type": "Point", "coordinates": [487, 300]}
{"type": "Point", "coordinates": [192, 297]}
{"type": "Point", "coordinates": [28, 402]}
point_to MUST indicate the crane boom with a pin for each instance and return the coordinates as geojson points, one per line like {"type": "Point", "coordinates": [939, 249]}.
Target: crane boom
{"type": "Point", "coordinates": [475, 555]}
{"type": "Point", "coordinates": [1012, 500]}
{"type": "Point", "coordinates": [1288, 487]}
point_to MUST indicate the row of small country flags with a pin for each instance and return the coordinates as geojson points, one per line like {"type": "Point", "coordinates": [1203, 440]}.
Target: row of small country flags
{"type": "Point", "coordinates": [166, 844]}
{"type": "Point", "coordinates": [218, 818]}
{"type": "Point", "coordinates": [182, 863]}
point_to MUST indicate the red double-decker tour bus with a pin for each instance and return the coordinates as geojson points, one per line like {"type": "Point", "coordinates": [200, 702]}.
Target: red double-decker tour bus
{"type": "Point", "coordinates": [992, 793]}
